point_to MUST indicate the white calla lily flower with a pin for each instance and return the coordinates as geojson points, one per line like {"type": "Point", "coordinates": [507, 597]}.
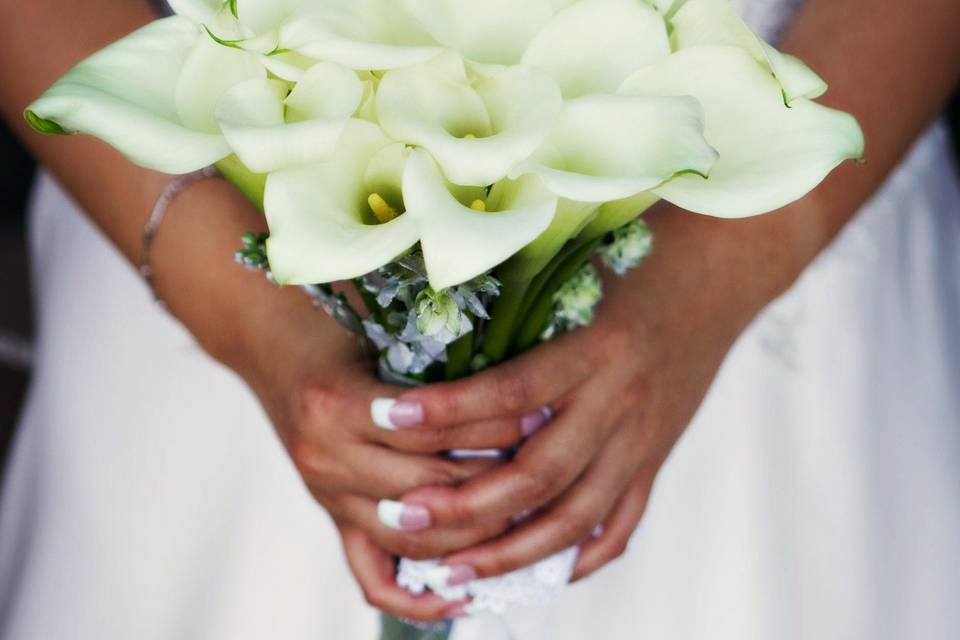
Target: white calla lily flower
{"type": "Point", "coordinates": [715, 22]}
{"type": "Point", "coordinates": [610, 147]}
{"type": "Point", "coordinates": [342, 218]}
{"type": "Point", "coordinates": [150, 95]}
{"type": "Point", "coordinates": [360, 34]}
{"type": "Point", "coordinates": [770, 154]}
{"type": "Point", "coordinates": [478, 126]}
{"type": "Point", "coordinates": [492, 31]}
{"type": "Point", "coordinates": [594, 45]}
{"type": "Point", "coordinates": [464, 236]}
{"type": "Point", "coordinates": [272, 128]}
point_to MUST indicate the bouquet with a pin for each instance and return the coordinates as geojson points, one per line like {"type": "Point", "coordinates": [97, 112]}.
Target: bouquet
{"type": "Point", "coordinates": [467, 164]}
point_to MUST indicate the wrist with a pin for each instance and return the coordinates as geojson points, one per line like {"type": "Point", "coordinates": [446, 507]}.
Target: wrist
{"type": "Point", "coordinates": [222, 304]}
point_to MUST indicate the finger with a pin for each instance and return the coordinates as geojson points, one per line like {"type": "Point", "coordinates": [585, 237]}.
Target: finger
{"type": "Point", "coordinates": [517, 388]}
{"type": "Point", "coordinates": [416, 545]}
{"type": "Point", "coordinates": [378, 472]}
{"type": "Point", "coordinates": [544, 467]}
{"type": "Point", "coordinates": [616, 532]}
{"type": "Point", "coordinates": [497, 433]}
{"type": "Point", "coordinates": [342, 403]}
{"type": "Point", "coordinates": [375, 571]}
{"type": "Point", "coordinates": [565, 524]}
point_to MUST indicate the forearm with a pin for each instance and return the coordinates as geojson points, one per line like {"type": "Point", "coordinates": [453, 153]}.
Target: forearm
{"type": "Point", "coordinates": [893, 66]}
{"type": "Point", "coordinates": [192, 255]}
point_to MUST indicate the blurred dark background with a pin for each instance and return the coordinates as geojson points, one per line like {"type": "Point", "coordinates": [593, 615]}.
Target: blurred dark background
{"type": "Point", "coordinates": [16, 177]}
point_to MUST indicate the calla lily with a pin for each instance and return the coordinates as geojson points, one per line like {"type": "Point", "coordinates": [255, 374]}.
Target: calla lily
{"type": "Point", "coordinates": [151, 95]}
{"type": "Point", "coordinates": [270, 130]}
{"type": "Point", "coordinates": [478, 125]}
{"type": "Point", "coordinates": [342, 218]}
{"type": "Point", "coordinates": [770, 154]}
{"type": "Point", "coordinates": [464, 236]}
{"type": "Point", "coordinates": [714, 22]}
{"type": "Point", "coordinates": [594, 45]}
{"type": "Point", "coordinates": [360, 34]}
{"type": "Point", "coordinates": [492, 31]}
{"type": "Point", "coordinates": [610, 147]}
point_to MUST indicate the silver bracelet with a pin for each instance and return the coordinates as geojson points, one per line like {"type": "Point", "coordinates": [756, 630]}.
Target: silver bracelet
{"type": "Point", "coordinates": [150, 229]}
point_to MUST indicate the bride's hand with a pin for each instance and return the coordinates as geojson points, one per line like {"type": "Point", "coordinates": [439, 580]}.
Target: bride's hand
{"type": "Point", "coordinates": [316, 387]}
{"type": "Point", "coordinates": [623, 391]}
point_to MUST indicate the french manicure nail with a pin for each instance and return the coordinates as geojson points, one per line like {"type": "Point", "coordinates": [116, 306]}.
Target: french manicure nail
{"type": "Point", "coordinates": [391, 414]}
{"type": "Point", "coordinates": [451, 576]}
{"type": "Point", "coordinates": [403, 517]}
{"type": "Point", "coordinates": [535, 421]}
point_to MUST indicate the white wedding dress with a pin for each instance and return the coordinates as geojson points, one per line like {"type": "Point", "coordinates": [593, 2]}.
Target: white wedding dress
{"type": "Point", "coordinates": [815, 497]}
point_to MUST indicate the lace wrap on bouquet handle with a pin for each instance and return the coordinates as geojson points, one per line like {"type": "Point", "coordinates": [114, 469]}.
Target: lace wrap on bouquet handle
{"type": "Point", "coordinates": [538, 585]}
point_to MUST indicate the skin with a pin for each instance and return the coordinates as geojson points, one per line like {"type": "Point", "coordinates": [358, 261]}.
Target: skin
{"type": "Point", "coordinates": [617, 418]}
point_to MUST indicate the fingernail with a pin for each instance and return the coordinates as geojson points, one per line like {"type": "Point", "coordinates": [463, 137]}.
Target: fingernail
{"type": "Point", "coordinates": [391, 414]}
{"type": "Point", "coordinates": [451, 576]}
{"type": "Point", "coordinates": [535, 421]}
{"type": "Point", "coordinates": [403, 517]}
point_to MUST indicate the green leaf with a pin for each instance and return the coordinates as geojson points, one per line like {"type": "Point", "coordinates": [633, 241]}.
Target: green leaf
{"type": "Point", "coordinates": [233, 8]}
{"type": "Point", "coordinates": [44, 126]}
{"type": "Point", "coordinates": [233, 44]}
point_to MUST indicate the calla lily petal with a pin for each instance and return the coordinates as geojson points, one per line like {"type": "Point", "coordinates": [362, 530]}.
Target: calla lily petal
{"type": "Point", "coordinates": [607, 148]}
{"type": "Point", "coordinates": [261, 16]}
{"type": "Point", "coordinates": [479, 128]}
{"type": "Point", "coordinates": [125, 95]}
{"type": "Point", "coordinates": [360, 34]}
{"type": "Point", "coordinates": [714, 22]}
{"type": "Point", "coordinates": [665, 8]}
{"type": "Point", "coordinates": [270, 130]}
{"type": "Point", "coordinates": [321, 227]}
{"type": "Point", "coordinates": [594, 45]}
{"type": "Point", "coordinates": [492, 31]}
{"type": "Point", "coordinates": [459, 242]}
{"type": "Point", "coordinates": [199, 11]}
{"type": "Point", "coordinates": [208, 72]}
{"type": "Point", "coordinates": [289, 65]}
{"type": "Point", "coordinates": [770, 154]}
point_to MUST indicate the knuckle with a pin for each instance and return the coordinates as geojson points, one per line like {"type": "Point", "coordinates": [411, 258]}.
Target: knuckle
{"type": "Point", "coordinates": [415, 549]}
{"type": "Point", "coordinates": [439, 473]}
{"type": "Point", "coordinates": [312, 465]}
{"type": "Point", "coordinates": [513, 391]}
{"type": "Point", "coordinates": [537, 486]}
{"type": "Point", "coordinates": [303, 455]}
{"type": "Point", "coordinates": [572, 527]}
{"type": "Point", "coordinates": [318, 401]}
{"type": "Point", "coordinates": [373, 598]}
{"type": "Point", "coordinates": [460, 511]}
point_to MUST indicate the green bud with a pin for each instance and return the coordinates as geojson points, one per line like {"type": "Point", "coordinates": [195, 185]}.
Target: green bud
{"type": "Point", "coordinates": [630, 244]}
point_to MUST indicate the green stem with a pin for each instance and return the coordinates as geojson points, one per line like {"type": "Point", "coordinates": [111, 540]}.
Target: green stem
{"type": "Point", "coordinates": [503, 319]}
{"type": "Point", "coordinates": [252, 185]}
{"type": "Point", "coordinates": [393, 629]}
{"type": "Point", "coordinates": [539, 313]}
{"type": "Point", "coordinates": [459, 355]}
{"type": "Point", "coordinates": [533, 293]}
